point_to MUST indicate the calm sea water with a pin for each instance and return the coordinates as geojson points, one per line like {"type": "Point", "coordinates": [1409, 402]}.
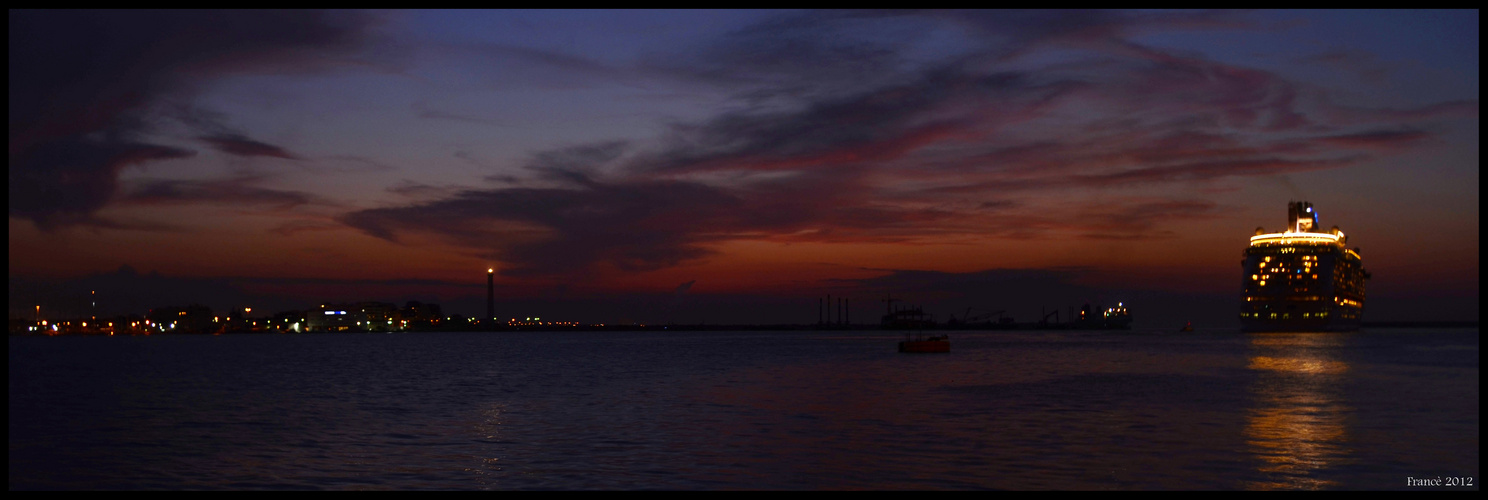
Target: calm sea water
{"type": "Point", "coordinates": [1135, 410]}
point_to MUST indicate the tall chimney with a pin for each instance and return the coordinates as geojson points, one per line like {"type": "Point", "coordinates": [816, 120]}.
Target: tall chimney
{"type": "Point", "coordinates": [491, 294]}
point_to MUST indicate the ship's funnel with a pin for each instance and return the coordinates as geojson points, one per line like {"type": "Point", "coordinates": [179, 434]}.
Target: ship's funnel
{"type": "Point", "coordinates": [1301, 217]}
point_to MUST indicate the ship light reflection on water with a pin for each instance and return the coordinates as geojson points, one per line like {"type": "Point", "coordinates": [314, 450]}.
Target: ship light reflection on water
{"type": "Point", "coordinates": [1296, 427]}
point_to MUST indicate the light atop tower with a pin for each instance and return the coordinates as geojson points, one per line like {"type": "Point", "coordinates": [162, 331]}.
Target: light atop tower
{"type": "Point", "coordinates": [490, 270]}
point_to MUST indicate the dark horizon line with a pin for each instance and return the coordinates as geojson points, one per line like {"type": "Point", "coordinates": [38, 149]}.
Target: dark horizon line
{"type": "Point", "coordinates": [637, 326]}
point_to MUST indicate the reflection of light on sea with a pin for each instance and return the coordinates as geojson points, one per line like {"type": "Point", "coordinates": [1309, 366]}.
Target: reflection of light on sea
{"type": "Point", "coordinates": [490, 428]}
{"type": "Point", "coordinates": [1294, 365]}
{"type": "Point", "coordinates": [1295, 427]}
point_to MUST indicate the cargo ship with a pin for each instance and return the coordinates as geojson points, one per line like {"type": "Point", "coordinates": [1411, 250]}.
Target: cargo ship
{"type": "Point", "coordinates": [1113, 318]}
{"type": "Point", "coordinates": [1303, 279]}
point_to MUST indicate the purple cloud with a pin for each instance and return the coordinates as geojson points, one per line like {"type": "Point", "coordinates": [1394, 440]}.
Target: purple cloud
{"type": "Point", "coordinates": [238, 145]}
{"type": "Point", "coordinates": [237, 191]}
{"type": "Point", "coordinates": [819, 150]}
{"type": "Point", "coordinates": [82, 83]}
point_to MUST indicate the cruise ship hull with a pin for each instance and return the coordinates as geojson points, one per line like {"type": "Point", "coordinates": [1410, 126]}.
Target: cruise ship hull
{"type": "Point", "coordinates": [1298, 325]}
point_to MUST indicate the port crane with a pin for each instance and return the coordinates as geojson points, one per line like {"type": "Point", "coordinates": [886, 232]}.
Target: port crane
{"type": "Point", "coordinates": [967, 318]}
{"type": "Point", "coordinates": [1045, 320]}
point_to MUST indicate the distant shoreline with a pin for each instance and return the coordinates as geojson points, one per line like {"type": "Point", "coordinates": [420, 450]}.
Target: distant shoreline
{"type": "Point", "coordinates": [727, 327]}
{"type": "Point", "coordinates": [1419, 324]}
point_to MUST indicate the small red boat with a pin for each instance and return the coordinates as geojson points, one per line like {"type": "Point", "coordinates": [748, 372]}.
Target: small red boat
{"type": "Point", "coordinates": [926, 344]}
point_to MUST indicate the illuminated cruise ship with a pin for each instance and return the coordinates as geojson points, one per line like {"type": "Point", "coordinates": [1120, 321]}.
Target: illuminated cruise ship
{"type": "Point", "coordinates": [1302, 279]}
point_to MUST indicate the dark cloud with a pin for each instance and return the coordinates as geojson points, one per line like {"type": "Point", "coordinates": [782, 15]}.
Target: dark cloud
{"type": "Point", "coordinates": [236, 191]}
{"type": "Point", "coordinates": [346, 164]}
{"type": "Point", "coordinates": [424, 110]}
{"type": "Point", "coordinates": [1203, 170]}
{"type": "Point", "coordinates": [997, 204]}
{"type": "Point", "coordinates": [550, 69]}
{"type": "Point", "coordinates": [294, 227]}
{"type": "Point", "coordinates": [1139, 220]}
{"type": "Point", "coordinates": [574, 165]}
{"type": "Point", "coordinates": [1011, 33]}
{"type": "Point", "coordinates": [799, 55]}
{"type": "Point", "coordinates": [1361, 116]}
{"type": "Point", "coordinates": [213, 129]}
{"type": "Point", "coordinates": [1132, 114]}
{"type": "Point", "coordinates": [238, 145]}
{"type": "Point", "coordinates": [1367, 67]}
{"type": "Point", "coordinates": [636, 225]}
{"type": "Point", "coordinates": [557, 61]}
{"type": "Point", "coordinates": [420, 190]}
{"type": "Point", "coordinates": [878, 125]}
{"type": "Point", "coordinates": [63, 181]}
{"type": "Point", "coordinates": [589, 222]}
{"type": "Point", "coordinates": [556, 231]}
{"type": "Point", "coordinates": [132, 224]}
{"type": "Point", "coordinates": [83, 84]}
{"type": "Point", "coordinates": [839, 132]}
{"type": "Point", "coordinates": [1376, 139]}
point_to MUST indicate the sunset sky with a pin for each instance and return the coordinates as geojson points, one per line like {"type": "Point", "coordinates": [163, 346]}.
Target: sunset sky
{"type": "Point", "coordinates": [734, 167]}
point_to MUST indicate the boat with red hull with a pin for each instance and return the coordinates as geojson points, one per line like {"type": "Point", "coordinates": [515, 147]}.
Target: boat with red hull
{"type": "Point", "coordinates": [940, 343]}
